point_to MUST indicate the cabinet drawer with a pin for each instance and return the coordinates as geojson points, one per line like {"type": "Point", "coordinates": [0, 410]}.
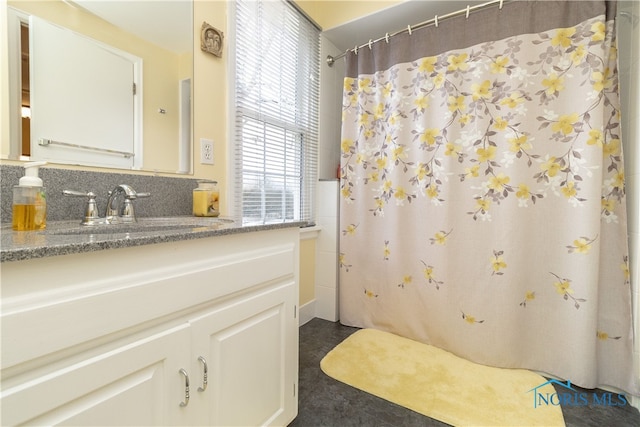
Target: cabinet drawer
{"type": "Point", "coordinates": [149, 284]}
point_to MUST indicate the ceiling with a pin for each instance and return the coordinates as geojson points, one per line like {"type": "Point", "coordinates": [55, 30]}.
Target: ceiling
{"type": "Point", "coordinates": [169, 23]}
{"type": "Point", "coordinates": [390, 20]}
{"type": "Point", "coordinates": [164, 23]}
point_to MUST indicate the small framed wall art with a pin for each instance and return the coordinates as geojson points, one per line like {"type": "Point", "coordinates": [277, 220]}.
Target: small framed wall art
{"type": "Point", "coordinates": [211, 40]}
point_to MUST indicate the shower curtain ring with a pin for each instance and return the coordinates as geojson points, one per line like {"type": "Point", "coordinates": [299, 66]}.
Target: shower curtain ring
{"type": "Point", "coordinates": [409, 29]}
{"type": "Point", "coordinates": [467, 11]}
{"type": "Point", "coordinates": [436, 21]}
{"type": "Point", "coordinates": [500, 5]}
{"type": "Point", "coordinates": [355, 50]}
{"type": "Point", "coordinates": [370, 44]}
{"type": "Point", "coordinates": [386, 37]}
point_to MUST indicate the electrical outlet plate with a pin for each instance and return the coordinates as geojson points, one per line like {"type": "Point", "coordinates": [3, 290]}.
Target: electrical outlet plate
{"type": "Point", "coordinates": [206, 151]}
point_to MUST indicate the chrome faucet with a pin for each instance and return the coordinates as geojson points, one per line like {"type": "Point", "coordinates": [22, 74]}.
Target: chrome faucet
{"type": "Point", "coordinates": [120, 204]}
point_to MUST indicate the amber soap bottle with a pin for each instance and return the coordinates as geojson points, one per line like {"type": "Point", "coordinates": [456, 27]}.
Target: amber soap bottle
{"type": "Point", "coordinates": [29, 200]}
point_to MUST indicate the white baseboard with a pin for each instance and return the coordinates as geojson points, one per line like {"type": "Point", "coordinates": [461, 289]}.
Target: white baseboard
{"type": "Point", "coordinates": [307, 312]}
{"type": "Point", "coordinates": [327, 303]}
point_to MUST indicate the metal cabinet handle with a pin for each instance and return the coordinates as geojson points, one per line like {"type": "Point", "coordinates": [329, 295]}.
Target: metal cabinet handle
{"type": "Point", "coordinates": [186, 387]}
{"type": "Point", "coordinates": [205, 371]}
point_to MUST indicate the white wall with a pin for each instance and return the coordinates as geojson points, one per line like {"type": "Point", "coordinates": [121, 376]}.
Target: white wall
{"type": "Point", "coordinates": [331, 83]}
{"type": "Point", "coordinates": [326, 280]}
{"type": "Point", "coordinates": [629, 70]}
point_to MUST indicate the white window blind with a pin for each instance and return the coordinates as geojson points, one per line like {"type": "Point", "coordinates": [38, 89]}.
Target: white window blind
{"type": "Point", "coordinates": [276, 63]}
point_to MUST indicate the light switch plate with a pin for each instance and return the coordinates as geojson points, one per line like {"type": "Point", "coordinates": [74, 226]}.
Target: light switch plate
{"type": "Point", "coordinates": [206, 151]}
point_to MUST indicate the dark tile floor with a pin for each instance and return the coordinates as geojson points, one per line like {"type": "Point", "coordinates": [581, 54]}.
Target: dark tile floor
{"type": "Point", "coordinates": [325, 402]}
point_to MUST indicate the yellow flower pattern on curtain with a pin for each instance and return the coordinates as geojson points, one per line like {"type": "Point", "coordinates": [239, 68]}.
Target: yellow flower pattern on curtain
{"type": "Point", "coordinates": [483, 204]}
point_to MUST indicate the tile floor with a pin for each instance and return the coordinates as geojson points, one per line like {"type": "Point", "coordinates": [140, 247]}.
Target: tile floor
{"type": "Point", "coordinates": [325, 402]}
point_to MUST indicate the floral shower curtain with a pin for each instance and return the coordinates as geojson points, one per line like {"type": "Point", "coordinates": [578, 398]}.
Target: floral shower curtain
{"type": "Point", "coordinates": [482, 191]}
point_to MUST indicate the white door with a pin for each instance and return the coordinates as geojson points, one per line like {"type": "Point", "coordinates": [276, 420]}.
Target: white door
{"type": "Point", "coordinates": [251, 349]}
{"type": "Point", "coordinates": [133, 385]}
{"type": "Point", "coordinates": [82, 93]}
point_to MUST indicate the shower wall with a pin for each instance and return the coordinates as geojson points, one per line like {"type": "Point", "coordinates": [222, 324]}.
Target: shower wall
{"type": "Point", "coordinates": [326, 280]}
{"type": "Point", "coordinates": [331, 82]}
{"type": "Point", "coordinates": [629, 64]}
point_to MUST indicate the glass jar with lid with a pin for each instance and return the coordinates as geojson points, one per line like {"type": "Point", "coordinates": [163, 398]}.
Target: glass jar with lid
{"type": "Point", "coordinates": [206, 198]}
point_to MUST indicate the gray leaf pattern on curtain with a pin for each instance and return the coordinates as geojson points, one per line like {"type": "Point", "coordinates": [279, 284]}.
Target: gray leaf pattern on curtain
{"type": "Point", "coordinates": [483, 204]}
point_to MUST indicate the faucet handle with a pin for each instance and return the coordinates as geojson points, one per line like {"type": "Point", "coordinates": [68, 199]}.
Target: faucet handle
{"type": "Point", "coordinates": [76, 193]}
{"type": "Point", "coordinates": [136, 195]}
{"type": "Point", "coordinates": [127, 214]}
{"type": "Point", "coordinates": [91, 213]}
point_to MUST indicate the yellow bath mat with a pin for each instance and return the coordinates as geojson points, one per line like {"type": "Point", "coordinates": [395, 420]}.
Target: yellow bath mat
{"type": "Point", "coordinates": [438, 384]}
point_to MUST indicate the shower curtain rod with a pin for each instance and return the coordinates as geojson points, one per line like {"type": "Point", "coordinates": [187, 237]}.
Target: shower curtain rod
{"type": "Point", "coordinates": [331, 59]}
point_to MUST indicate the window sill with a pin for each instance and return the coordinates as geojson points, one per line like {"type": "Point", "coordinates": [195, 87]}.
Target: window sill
{"type": "Point", "coordinates": [307, 233]}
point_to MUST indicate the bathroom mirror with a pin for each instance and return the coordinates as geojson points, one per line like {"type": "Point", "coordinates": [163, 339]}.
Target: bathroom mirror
{"type": "Point", "coordinates": [66, 62]}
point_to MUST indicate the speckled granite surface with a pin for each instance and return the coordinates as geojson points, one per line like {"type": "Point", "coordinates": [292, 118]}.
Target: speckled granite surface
{"type": "Point", "coordinates": [169, 196]}
{"type": "Point", "coordinates": [69, 237]}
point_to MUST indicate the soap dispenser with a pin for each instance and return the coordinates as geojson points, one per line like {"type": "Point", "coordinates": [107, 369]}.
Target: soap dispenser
{"type": "Point", "coordinates": [29, 200]}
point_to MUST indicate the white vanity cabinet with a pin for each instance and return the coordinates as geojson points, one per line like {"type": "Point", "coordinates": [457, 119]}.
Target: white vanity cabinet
{"type": "Point", "coordinates": [244, 345]}
{"type": "Point", "coordinates": [128, 385]}
{"type": "Point", "coordinates": [112, 337]}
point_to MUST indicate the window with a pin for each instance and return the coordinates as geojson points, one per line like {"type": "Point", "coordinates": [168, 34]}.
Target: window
{"type": "Point", "coordinates": [276, 63]}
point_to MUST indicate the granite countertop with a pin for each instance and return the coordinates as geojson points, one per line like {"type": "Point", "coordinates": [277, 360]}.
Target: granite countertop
{"type": "Point", "coordinates": [69, 237]}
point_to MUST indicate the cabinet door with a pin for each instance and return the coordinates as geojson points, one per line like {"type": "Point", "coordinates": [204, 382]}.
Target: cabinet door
{"type": "Point", "coordinates": [136, 384]}
{"type": "Point", "coordinates": [251, 348]}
